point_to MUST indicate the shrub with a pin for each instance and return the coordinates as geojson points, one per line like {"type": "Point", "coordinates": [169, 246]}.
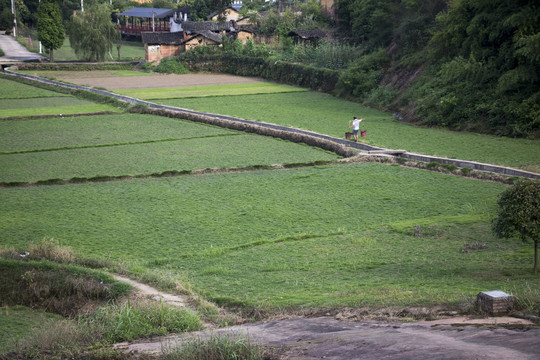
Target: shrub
{"type": "Point", "coordinates": [283, 72]}
{"type": "Point", "coordinates": [167, 66]}
{"type": "Point", "coordinates": [518, 214]}
{"type": "Point", "coordinates": [363, 75]}
{"type": "Point", "coordinates": [450, 167]}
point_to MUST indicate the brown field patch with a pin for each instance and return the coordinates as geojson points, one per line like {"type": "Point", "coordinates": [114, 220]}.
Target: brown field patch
{"type": "Point", "coordinates": [111, 81]}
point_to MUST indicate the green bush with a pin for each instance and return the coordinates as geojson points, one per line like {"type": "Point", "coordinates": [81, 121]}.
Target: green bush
{"type": "Point", "coordinates": [363, 76]}
{"type": "Point", "coordinates": [167, 66]}
{"type": "Point", "coordinates": [324, 55]}
{"type": "Point", "coordinates": [449, 167]}
{"type": "Point", "coordinates": [294, 74]}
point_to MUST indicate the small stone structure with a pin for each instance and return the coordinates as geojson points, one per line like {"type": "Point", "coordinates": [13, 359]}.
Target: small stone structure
{"type": "Point", "coordinates": [495, 303]}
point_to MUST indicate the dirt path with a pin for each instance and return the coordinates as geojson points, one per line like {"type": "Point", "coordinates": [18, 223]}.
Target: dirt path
{"type": "Point", "coordinates": [13, 51]}
{"type": "Point", "coordinates": [328, 338]}
{"type": "Point", "coordinates": [155, 294]}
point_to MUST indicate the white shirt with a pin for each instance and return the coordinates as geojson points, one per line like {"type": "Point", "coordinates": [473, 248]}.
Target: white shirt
{"type": "Point", "coordinates": [356, 124]}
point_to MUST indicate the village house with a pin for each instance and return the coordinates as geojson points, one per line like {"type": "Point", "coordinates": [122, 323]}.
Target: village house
{"type": "Point", "coordinates": [307, 37]}
{"type": "Point", "coordinates": [227, 14]}
{"type": "Point", "coordinates": [160, 45]}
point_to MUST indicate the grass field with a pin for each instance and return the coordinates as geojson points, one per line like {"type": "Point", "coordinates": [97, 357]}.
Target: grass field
{"type": "Point", "coordinates": [18, 321]}
{"type": "Point", "coordinates": [156, 157]}
{"type": "Point", "coordinates": [97, 73]}
{"type": "Point", "coordinates": [20, 100]}
{"type": "Point", "coordinates": [15, 90]}
{"type": "Point", "coordinates": [72, 132]}
{"type": "Point", "coordinates": [210, 91]}
{"type": "Point", "coordinates": [50, 106]}
{"type": "Point", "coordinates": [338, 235]}
{"type": "Point", "coordinates": [132, 144]}
{"type": "Point", "coordinates": [128, 52]}
{"type": "Point", "coordinates": [332, 236]}
{"type": "Point", "coordinates": [329, 115]}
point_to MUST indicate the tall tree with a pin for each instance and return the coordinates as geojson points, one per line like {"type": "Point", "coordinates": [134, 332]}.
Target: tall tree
{"type": "Point", "coordinates": [49, 26]}
{"type": "Point", "coordinates": [92, 33]}
{"type": "Point", "coordinates": [494, 44]}
{"type": "Point", "coordinates": [519, 214]}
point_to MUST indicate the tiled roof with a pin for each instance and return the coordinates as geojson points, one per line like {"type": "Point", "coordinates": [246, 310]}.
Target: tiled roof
{"type": "Point", "coordinates": [198, 26]}
{"type": "Point", "coordinates": [148, 12]}
{"type": "Point", "coordinates": [209, 35]}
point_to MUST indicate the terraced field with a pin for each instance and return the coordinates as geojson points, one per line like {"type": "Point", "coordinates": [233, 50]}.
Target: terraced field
{"type": "Point", "coordinates": [296, 235]}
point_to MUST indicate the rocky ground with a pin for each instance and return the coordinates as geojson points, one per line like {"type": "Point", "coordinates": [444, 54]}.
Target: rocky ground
{"type": "Point", "coordinates": [339, 337]}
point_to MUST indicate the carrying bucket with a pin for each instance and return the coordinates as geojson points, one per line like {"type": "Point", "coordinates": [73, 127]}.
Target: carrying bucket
{"type": "Point", "coordinates": [363, 133]}
{"type": "Point", "coordinates": [348, 135]}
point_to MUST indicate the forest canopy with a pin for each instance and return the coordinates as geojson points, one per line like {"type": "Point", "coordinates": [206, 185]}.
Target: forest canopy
{"type": "Point", "coordinates": [481, 59]}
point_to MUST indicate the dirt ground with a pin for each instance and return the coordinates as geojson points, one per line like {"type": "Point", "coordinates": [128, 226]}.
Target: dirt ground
{"type": "Point", "coordinates": [338, 338]}
{"type": "Point", "coordinates": [111, 81]}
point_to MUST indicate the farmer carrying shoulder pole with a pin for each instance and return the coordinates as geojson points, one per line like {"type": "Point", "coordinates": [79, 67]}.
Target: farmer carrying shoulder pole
{"type": "Point", "coordinates": [356, 127]}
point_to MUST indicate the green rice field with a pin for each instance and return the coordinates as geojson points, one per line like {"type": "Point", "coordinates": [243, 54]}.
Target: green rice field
{"type": "Point", "coordinates": [133, 144]}
{"type": "Point", "coordinates": [210, 91]}
{"type": "Point", "coordinates": [14, 90]}
{"type": "Point", "coordinates": [317, 236]}
{"type": "Point", "coordinates": [20, 100]}
{"type": "Point", "coordinates": [326, 114]}
{"type": "Point", "coordinates": [339, 235]}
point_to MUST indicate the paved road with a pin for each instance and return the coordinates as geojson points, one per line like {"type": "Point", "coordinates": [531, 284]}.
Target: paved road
{"type": "Point", "coordinates": [15, 52]}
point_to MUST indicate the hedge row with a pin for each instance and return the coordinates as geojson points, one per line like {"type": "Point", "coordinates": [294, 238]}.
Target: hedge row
{"type": "Point", "coordinates": [287, 73]}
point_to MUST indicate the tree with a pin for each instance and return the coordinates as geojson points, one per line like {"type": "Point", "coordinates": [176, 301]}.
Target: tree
{"type": "Point", "coordinates": [6, 19]}
{"type": "Point", "coordinates": [519, 214]}
{"type": "Point", "coordinates": [49, 26]}
{"type": "Point", "coordinates": [92, 33]}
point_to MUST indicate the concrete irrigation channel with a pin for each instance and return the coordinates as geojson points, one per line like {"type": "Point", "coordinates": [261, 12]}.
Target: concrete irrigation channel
{"type": "Point", "coordinates": [327, 142]}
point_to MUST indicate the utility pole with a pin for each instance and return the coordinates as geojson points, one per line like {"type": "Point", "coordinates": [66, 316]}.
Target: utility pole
{"type": "Point", "coordinates": [40, 48]}
{"type": "Point", "coordinates": [82, 5]}
{"type": "Point", "coordinates": [14, 18]}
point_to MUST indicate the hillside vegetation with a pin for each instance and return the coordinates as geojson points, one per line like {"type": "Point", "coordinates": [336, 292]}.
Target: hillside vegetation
{"type": "Point", "coordinates": [465, 65]}
{"type": "Point", "coordinates": [479, 61]}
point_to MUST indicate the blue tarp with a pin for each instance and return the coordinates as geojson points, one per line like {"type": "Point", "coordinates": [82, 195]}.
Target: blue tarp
{"type": "Point", "coordinates": [157, 13]}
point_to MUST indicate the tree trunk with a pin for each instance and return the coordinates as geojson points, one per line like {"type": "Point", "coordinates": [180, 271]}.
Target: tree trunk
{"type": "Point", "coordinates": [51, 55]}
